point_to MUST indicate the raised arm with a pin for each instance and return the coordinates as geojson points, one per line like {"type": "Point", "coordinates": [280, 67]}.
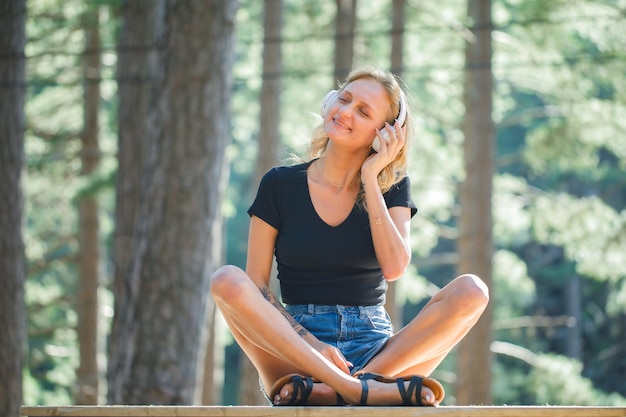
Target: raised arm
{"type": "Point", "coordinates": [390, 226]}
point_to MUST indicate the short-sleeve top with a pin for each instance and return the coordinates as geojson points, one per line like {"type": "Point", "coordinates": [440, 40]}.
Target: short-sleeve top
{"type": "Point", "coordinates": [318, 263]}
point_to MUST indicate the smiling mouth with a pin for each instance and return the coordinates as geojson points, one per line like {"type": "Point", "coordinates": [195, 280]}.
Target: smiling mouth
{"type": "Point", "coordinates": [341, 125]}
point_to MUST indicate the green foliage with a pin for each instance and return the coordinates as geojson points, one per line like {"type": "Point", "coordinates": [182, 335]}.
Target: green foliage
{"type": "Point", "coordinates": [510, 211]}
{"type": "Point", "coordinates": [559, 190]}
{"type": "Point", "coordinates": [557, 380]}
{"type": "Point", "coordinates": [550, 380]}
{"type": "Point", "coordinates": [591, 233]}
{"type": "Point", "coordinates": [511, 283]}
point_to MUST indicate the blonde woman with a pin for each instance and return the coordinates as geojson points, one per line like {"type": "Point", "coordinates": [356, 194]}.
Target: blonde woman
{"type": "Point", "coordinates": [338, 225]}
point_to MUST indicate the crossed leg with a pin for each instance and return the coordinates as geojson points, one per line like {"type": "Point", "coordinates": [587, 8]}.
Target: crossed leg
{"type": "Point", "coordinates": [276, 349]}
{"type": "Point", "coordinates": [421, 345]}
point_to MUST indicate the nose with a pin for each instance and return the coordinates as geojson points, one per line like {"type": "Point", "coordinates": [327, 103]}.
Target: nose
{"type": "Point", "coordinates": [344, 110]}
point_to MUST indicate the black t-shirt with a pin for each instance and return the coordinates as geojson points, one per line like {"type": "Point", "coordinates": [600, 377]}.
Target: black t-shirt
{"type": "Point", "coordinates": [318, 263]}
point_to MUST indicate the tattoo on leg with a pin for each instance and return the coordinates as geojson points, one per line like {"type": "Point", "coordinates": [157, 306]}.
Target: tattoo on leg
{"type": "Point", "coordinates": [271, 298]}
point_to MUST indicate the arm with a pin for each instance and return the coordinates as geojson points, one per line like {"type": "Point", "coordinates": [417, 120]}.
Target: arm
{"type": "Point", "coordinates": [390, 226]}
{"type": "Point", "coordinates": [390, 233]}
{"type": "Point", "coordinates": [261, 242]}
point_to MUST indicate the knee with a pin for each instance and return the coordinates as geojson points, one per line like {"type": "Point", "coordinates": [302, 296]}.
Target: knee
{"type": "Point", "coordinates": [472, 293]}
{"type": "Point", "coordinates": [226, 283]}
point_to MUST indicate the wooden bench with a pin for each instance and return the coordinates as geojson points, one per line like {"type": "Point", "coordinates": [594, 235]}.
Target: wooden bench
{"type": "Point", "coordinates": [243, 411]}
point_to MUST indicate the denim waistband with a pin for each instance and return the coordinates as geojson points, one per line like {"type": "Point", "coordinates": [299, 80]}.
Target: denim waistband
{"type": "Point", "coordinates": [313, 309]}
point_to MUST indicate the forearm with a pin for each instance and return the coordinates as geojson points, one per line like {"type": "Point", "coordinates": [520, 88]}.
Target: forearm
{"type": "Point", "coordinates": [390, 242]}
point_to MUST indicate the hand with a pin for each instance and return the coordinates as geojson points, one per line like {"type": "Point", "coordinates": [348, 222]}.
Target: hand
{"type": "Point", "coordinates": [333, 354]}
{"type": "Point", "coordinates": [387, 151]}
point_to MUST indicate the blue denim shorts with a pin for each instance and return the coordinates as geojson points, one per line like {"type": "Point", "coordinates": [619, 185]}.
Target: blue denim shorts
{"type": "Point", "coordinates": [359, 332]}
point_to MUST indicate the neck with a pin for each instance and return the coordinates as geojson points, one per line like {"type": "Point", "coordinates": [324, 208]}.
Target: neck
{"type": "Point", "coordinates": [337, 172]}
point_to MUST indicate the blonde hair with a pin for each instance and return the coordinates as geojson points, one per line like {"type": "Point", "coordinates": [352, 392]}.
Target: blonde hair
{"type": "Point", "coordinates": [397, 169]}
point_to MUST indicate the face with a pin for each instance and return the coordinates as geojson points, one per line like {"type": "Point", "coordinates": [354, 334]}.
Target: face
{"type": "Point", "coordinates": [360, 109]}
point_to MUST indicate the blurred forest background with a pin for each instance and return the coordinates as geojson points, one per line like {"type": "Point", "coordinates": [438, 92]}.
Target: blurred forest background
{"type": "Point", "coordinates": [171, 110]}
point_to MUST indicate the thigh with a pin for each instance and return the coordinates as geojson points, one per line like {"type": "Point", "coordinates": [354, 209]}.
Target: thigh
{"type": "Point", "coordinates": [269, 366]}
{"type": "Point", "coordinates": [423, 344]}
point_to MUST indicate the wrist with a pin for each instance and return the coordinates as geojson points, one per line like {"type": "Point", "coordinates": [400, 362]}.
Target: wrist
{"type": "Point", "coordinates": [368, 179]}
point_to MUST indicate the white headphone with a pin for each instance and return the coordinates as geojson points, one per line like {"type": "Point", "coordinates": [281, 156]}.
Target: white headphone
{"type": "Point", "coordinates": [332, 96]}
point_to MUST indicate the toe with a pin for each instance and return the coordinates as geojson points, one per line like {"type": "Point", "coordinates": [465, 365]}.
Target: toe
{"type": "Point", "coordinates": [428, 397]}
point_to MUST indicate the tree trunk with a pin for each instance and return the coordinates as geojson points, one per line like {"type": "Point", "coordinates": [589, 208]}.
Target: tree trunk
{"type": "Point", "coordinates": [213, 373]}
{"type": "Point", "coordinates": [397, 36]}
{"type": "Point", "coordinates": [267, 157]}
{"type": "Point", "coordinates": [475, 222]}
{"type": "Point", "coordinates": [161, 288]}
{"type": "Point", "coordinates": [397, 59]}
{"type": "Point", "coordinates": [137, 77]}
{"type": "Point", "coordinates": [345, 25]}
{"type": "Point", "coordinates": [573, 305]}
{"type": "Point", "coordinates": [89, 258]}
{"type": "Point", "coordinates": [12, 257]}
{"type": "Point", "coordinates": [269, 135]}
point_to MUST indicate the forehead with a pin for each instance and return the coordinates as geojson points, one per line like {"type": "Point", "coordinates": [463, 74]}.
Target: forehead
{"type": "Point", "coordinates": [370, 92]}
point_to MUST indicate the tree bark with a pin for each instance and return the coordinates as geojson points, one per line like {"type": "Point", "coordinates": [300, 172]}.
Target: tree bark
{"type": "Point", "coordinates": [137, 78]}
{"type": "Point", "coordinates": [397, 36]}
{"type": "Point", "coordinates": [213, 373]}
{"type": "Point", "coordinates": [573, 306]}
{"type": "Point", "coordinates": [183, 126]}
{"type": "Point", "coordinates": [12, 257]}
{"type": "Point", "coordinates": [345, 25]}
{"type": "Point", "coordinates": [89, 256]}
{"type": "Point", "coordinates": [475, 243]}
{"type": "Point", "coordinates": [269, 135]}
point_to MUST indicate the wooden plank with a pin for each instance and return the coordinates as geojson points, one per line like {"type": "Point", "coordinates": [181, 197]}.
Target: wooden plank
{"type": "Point", "coordinates": [250, 411]}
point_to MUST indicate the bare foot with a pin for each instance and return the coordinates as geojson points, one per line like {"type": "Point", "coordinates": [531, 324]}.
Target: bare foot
{"type": "Point", "coordinates": [321, 394]}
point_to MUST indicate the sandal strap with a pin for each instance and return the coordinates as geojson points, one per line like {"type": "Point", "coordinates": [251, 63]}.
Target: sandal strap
{"type": "Point", "coordinates": [364, 391]}
{"type": "Point", "coordinates": [302, 387]}
{"type": "Point", "coordinates": [414, 388]}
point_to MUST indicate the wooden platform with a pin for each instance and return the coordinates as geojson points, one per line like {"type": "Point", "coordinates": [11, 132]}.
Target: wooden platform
{"type": "Point", "coordinates": [239, 411]}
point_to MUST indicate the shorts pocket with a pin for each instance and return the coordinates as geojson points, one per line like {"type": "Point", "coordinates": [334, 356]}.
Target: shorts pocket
{"type": "Point", "coordinates": [379, 319]}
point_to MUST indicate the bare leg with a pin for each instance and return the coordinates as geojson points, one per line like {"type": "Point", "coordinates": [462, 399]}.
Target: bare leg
{"type": "Point", "coordinates": [420, 346]}
{"type": "Point", "coordinates": [276, 349]}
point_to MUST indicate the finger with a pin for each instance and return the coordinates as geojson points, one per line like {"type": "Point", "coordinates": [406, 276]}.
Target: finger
{"type": "Point", "coordinates": [383, 142]}
{"type": "Point", "coordinates": [343, 365]}
{"type": "Point", "coordinates": [400, 130]}
{"type": "Point", "coordinates": [400, 134]}
{"type": "Point", "coordinates": [391, 132]}
{"type": "Point", "coordinates": [341, 362]}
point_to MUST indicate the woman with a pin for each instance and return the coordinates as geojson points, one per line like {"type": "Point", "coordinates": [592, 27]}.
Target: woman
{"type": "Point", "coordinates": [339, 228]}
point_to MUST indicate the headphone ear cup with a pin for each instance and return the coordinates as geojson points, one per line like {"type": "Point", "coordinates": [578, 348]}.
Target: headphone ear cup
{"type": "Point", "coordinates": [328, 100]}
{"type": "Point", "coordinates": [376, 143]}
{"type": "Point", "coordinates": [402, 112]}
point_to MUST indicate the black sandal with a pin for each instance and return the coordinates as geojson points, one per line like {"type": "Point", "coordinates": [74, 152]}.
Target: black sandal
{"type": "Point", "coordinates": [302, 387]}
{"type": "Point", "coordinates": [413, 390]}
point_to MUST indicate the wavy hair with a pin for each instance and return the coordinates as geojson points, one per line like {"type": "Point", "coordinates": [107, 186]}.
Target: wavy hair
{"type": "Point", "coordinates": [397, 169]}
